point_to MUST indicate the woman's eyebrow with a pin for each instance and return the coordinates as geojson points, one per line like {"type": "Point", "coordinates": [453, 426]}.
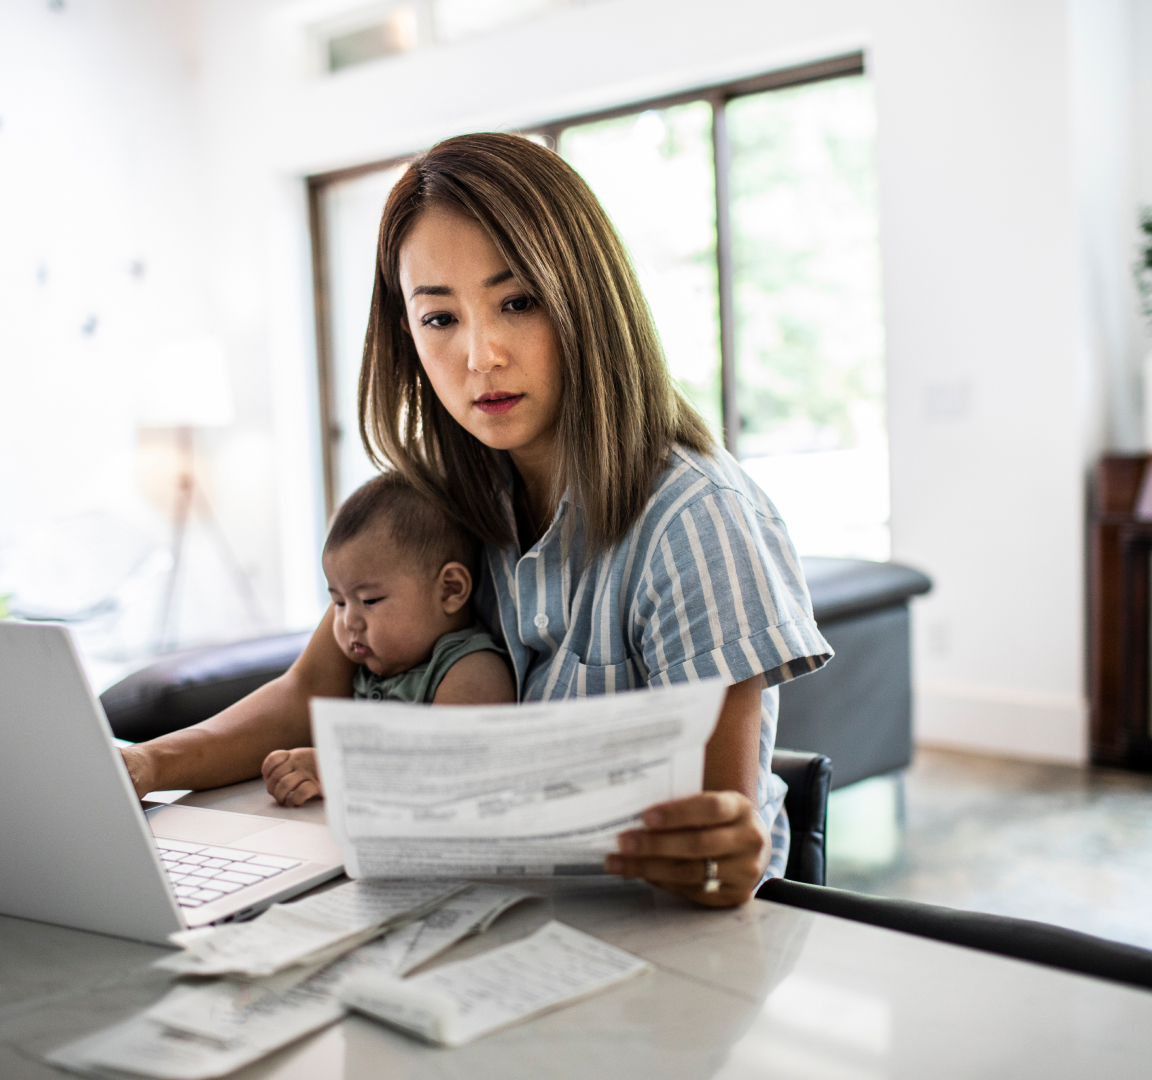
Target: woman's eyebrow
{"type": "Point", "coordinates": [447, 290]}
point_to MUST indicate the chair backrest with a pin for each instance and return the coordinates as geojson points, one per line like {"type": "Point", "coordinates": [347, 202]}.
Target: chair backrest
{"type": "Point", "coordinates": [1022, 939]}
{"type": "Point", "coordinates": [809, 779]}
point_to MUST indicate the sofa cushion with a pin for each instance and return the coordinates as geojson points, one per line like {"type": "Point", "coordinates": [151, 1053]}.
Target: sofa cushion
{"type": "Point", "coordinates": [187, 687]}
{"type": "Point", "coordinates": [843, 587]}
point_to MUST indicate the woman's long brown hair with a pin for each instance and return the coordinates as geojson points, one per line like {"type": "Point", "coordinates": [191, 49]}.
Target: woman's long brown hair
{"type": "Point", "coordinates": [619, 410]}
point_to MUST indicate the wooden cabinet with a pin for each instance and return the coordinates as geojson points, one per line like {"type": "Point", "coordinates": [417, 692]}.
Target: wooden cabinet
{"type": "Point", "coordinates": [1120, 649]}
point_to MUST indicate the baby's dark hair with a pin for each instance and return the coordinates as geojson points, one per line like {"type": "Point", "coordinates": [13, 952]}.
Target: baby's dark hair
{"type": "Point", "coordinates": [417, 526]}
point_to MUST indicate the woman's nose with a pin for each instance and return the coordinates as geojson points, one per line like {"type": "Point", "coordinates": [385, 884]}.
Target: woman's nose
{"type": "Point", "coordinates": [486, 352]}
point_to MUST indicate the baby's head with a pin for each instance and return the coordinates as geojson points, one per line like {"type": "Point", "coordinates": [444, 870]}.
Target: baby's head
{"type": "Point", "coordinates": [400, 574]}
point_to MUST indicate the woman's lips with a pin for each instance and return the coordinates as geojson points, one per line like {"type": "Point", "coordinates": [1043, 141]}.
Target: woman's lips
{"type": "Point", "coordinates": [495, 404]}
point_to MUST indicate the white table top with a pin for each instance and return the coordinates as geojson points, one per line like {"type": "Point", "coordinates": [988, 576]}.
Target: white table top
{"type": "Point", "coordinates": [762, 991]}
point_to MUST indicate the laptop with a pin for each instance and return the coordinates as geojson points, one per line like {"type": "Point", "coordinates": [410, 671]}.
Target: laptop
{"type": "Point", "coordinates": [76, 846]}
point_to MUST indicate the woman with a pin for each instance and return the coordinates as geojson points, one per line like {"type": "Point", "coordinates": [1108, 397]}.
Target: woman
{"type": "Point", "coordinates": [512, 372]}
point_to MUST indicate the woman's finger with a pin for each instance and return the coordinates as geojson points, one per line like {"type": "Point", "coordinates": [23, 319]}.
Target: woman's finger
{"type": "Point", "coordinates": [726, 896]}
{"type": "Point", "coordinates": [739, 839]}
{"type": "Point", "coordinates": [734, 871]}
{"type": "Point", "coordinates": [698, 811]}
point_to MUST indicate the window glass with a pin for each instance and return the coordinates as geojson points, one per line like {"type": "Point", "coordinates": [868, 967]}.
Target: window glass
{"type": "Point", "coordinates": [653, 173]}
{"type": "Point", "coordinates": [352, 210]}
{"type": "Point", "coordinates": [809, 331]}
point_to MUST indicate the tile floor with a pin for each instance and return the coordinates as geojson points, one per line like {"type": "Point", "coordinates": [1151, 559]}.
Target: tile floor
{"type": "Point", "coordinates": [1061, 844]}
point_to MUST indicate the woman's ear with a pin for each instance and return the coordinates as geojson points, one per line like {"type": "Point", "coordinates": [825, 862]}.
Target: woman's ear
{"type": "Point", "coordinates": [454, 585]}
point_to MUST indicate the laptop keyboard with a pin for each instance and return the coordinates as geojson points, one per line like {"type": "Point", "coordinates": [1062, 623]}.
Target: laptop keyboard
{"type": "Point", "coordinates": [201, 874]}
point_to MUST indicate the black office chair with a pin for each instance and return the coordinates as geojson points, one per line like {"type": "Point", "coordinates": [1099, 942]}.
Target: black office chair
{"type": "Point", "coordinates": [1022, 939]}
{"type": "Point", "coordinates": [809, 779]}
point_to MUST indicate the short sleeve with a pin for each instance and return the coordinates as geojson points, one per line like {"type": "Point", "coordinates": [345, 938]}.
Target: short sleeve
{"type": "Point", "coordinates": [723, 595]}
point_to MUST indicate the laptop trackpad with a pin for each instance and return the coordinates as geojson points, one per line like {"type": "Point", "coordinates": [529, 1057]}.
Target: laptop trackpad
{"type": "Point", "coordinates": [206, 827]}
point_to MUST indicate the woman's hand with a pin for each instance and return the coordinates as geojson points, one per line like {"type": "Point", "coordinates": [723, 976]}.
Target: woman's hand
{"type": "Point", "coordinates": [681, 836]}
{"type": "Point", "coordinates": [141, 770]}
{"type": "Point", "coordinates": [292, 776]}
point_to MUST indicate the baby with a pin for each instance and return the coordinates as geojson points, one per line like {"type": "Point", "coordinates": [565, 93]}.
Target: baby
{"type": "Point", "coordinates": [399, 572]}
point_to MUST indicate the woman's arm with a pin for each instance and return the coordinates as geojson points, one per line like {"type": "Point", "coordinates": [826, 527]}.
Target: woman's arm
{"type": "Point", "coordinates": [232, 745]}
{"type": "Point", "coordinates": [722, 823]}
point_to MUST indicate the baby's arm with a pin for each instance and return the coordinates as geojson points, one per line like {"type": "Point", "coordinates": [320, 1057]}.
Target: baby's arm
{"type": "Point", "coordinates": [480, 678]}
{"type": "Point", "coordinates": [291, 776]}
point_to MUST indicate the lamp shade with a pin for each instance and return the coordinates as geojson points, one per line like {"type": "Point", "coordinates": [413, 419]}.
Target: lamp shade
{"type": "Point", "coordinates": [186, 384]}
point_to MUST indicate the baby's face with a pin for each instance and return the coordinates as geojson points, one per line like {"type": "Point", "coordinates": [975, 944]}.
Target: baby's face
{"type": "Point", "coordinates": [389, 608]}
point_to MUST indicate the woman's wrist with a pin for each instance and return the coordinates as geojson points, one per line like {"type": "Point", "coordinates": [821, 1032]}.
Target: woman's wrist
{"type": "Point", "coordinates": [141, 769]}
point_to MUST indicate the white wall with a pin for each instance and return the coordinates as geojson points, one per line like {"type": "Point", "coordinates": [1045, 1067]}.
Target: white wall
{"type": "Point", "coordinates": [102, 245]}
{"type": "Point", "coordinates": [986, 429]}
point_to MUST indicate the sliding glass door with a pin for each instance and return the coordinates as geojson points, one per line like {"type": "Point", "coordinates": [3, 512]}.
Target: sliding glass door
{"type": "Point", "coordinates": [750, 215]}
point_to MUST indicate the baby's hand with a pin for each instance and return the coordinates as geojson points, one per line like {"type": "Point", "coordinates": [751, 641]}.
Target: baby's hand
{"type": "Point", "coordinates": [292, 776]}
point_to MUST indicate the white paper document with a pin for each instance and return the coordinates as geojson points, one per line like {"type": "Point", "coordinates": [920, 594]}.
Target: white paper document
{"type": "Point", "coordinates": [208, 1029]}
{"type": "Point", "coordinates": [405, 949]}
{"type": "Point", "coordinates": [239, 1024]}
{"type": "Point", "coordinates": [317, 928]}
{"type": "Point", "coordinates": [510, 790]}
{"type": "Point", "coordinates": [456, 1003]}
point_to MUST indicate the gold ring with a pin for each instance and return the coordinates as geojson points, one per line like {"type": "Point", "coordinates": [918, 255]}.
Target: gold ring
{"type": "Point", "coordinates": [711, 876]}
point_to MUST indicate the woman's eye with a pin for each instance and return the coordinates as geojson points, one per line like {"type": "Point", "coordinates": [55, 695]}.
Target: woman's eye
{"type": "Point", "coordinates": [338, 603]}
{"type": "Point", "coordinates": [374, 600]}
{"type": "Point", "coordinates": [437, 322]}
{"type": "Point", "coordinates": [520, 303]}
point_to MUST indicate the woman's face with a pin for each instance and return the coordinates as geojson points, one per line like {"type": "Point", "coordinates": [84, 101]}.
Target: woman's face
{"type": "Point", "coordinates": [490, 352]}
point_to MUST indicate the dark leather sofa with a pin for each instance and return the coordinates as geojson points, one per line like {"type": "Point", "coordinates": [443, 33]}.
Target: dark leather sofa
{"type": "Point", "coordinates": [857, 711]}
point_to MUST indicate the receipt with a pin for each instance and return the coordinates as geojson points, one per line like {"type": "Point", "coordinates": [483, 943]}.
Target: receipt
{"type": "Point", "coordinates": [230, 1013]}
{"type": "Point", "coordinates": [497, 791]}
{"type": "Point", "coordinates": [404, 950]}
{"type": "Point", "coordinates": [319, 927]}
{"type": "Point", "coordinates": [209, 1029]}
{"type": "Point", "coordinates": [143, 1047]}
{"type": "Point", "coordinates": [456, 1003]}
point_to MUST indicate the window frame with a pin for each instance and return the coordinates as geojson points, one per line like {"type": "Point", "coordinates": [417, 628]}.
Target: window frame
{"type": "Point", "coordinates": [717, 95]}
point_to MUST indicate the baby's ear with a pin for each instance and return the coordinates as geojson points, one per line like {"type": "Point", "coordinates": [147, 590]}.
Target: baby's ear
{"type": "Point", "coordinates": [454, 586]}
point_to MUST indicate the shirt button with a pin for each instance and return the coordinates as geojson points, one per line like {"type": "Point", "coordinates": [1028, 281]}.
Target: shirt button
{"type": "Point", "coordinates": [541, 622]}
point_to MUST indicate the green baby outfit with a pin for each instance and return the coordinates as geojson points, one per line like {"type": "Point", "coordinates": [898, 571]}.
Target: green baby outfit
{"type": "Point", "coordinates": [421, 682]}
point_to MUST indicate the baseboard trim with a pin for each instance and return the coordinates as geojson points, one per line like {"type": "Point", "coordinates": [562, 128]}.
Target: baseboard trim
{"type": "Point", "coordinates": [1004, 721]}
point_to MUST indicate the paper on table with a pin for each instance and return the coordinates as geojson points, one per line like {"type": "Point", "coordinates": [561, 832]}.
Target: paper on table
{"type": "Point", "coordinates": [496, 791]}
{"type": "Point", "coordinates": [288, 934]}
{"type": "Point", "coordinates": [228, 1012]}
{"type": "Point", "coordinates": [225, 1010]}
{"type": "Point", "coordinates": [143, 1047]}
{"type": "Point", "coordinates": [456, 1003]}
{"type": "Point", "coordinates": [209, 1030]}
{"type": "Point", "coordinates": [404, 950]}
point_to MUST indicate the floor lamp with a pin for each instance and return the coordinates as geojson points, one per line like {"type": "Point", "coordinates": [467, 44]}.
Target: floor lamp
{"type": "Point", "coordinates": [186, 387]}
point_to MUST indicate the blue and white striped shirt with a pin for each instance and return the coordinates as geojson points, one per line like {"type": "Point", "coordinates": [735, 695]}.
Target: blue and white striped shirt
{"type": "Point", "coordinates": [706, 584]}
